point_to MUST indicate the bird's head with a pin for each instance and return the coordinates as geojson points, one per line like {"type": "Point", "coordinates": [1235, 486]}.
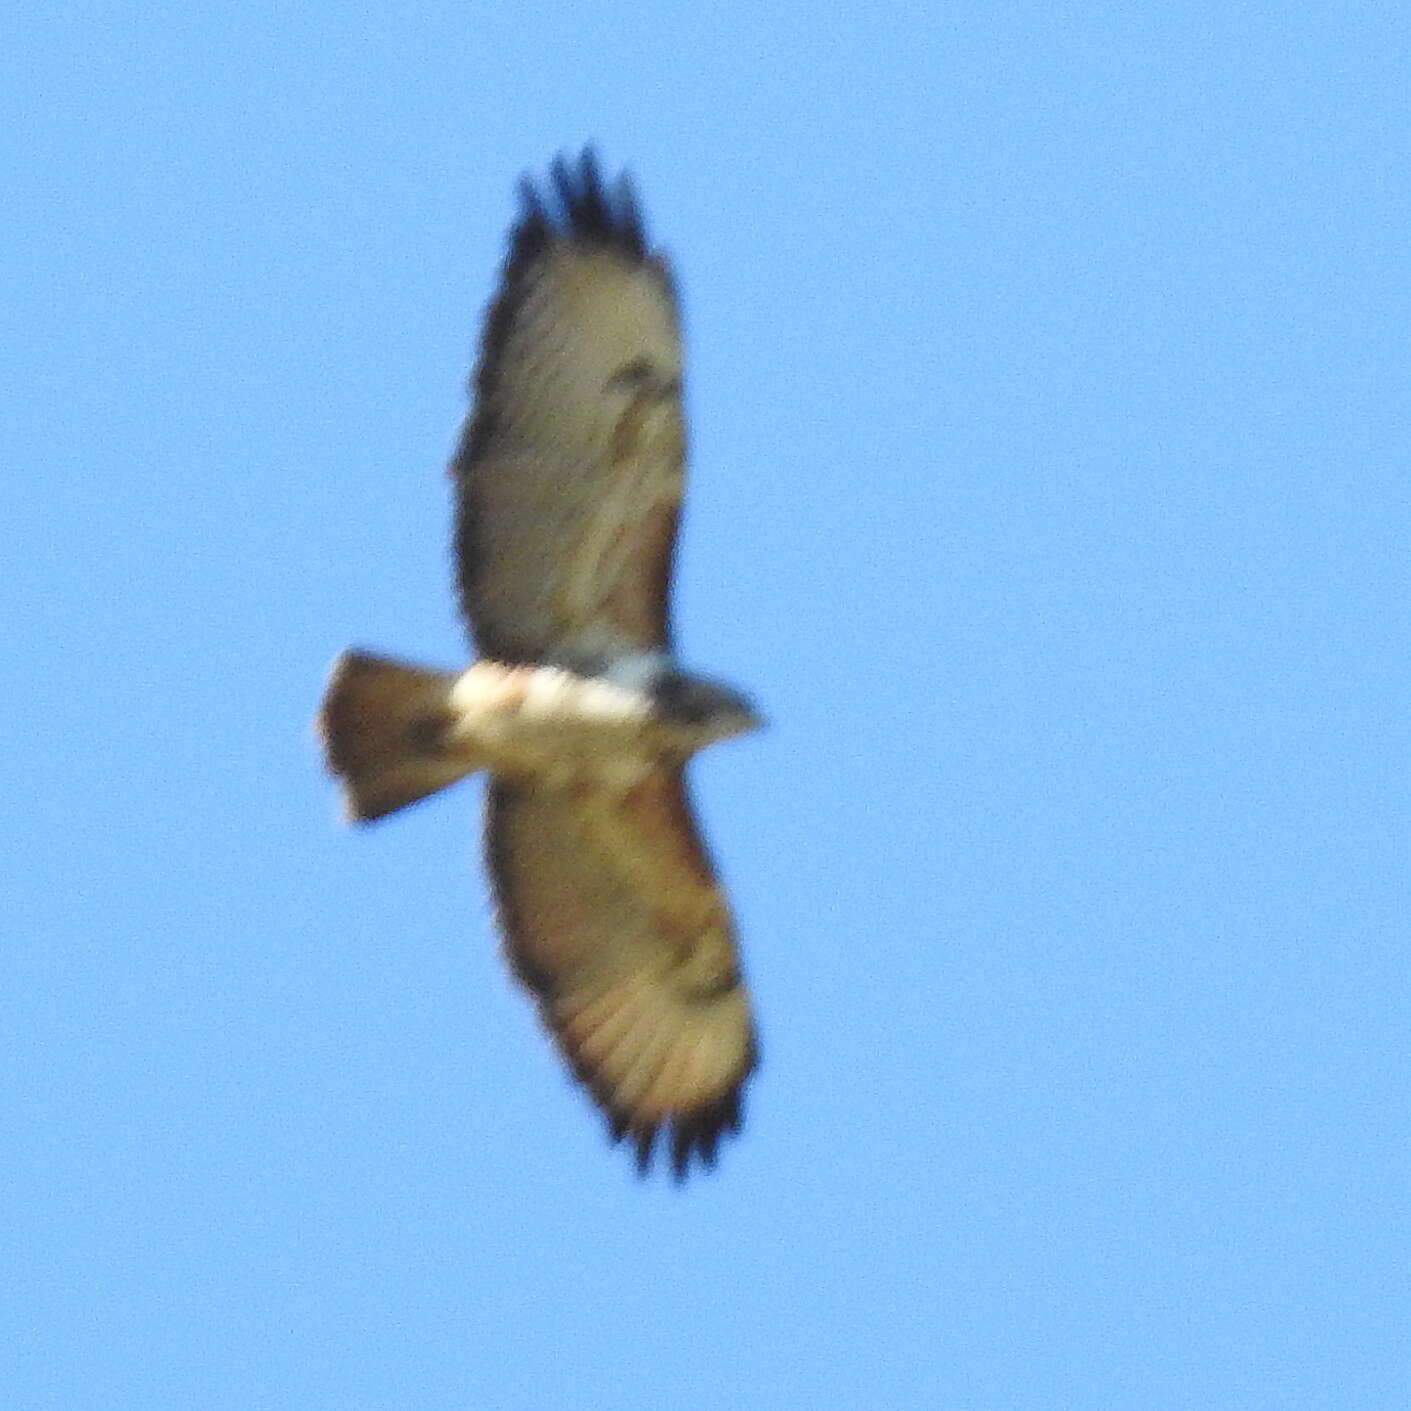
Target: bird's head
{"type": "Point", "coordinates": [711, 709]}
{"type": "Point", "coordinates": [695, 711]}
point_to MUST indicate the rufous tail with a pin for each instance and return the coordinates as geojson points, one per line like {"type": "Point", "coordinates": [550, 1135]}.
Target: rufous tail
{"type": "Point", "coordinates": [383, 725]}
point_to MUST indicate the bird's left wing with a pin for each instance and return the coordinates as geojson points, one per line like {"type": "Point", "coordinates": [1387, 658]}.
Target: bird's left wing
{"type": "Point", "coordinates": [614, 919]}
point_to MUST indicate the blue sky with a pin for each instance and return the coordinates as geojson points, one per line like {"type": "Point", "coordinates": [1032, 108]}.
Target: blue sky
{"type": "Point", "coordinates": [1049, 395]}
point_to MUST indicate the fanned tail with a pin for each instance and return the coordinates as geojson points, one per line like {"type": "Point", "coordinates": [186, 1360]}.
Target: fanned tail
{"type": "Point", "coordinates": [383, 725]}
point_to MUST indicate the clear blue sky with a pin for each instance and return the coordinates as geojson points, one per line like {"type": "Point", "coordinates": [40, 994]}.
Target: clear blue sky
{"type": "Point", "coordinates": [1049, 394]}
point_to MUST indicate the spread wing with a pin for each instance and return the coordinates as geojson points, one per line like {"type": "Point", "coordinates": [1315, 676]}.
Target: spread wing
{"type": "Point", "coordinates": [569, 473]}
{"type": "Point", "coordinates": [615, 921]}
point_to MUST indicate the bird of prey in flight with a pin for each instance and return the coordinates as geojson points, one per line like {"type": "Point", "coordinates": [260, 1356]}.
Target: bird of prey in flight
{"type": "Point", "coordinates": [568, 482]}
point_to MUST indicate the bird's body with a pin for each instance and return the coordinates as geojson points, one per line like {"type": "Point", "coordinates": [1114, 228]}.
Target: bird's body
{"type": "Point", "coordinates": [568, 487]}
{"type": "Point", "coordinates": [544, 726]}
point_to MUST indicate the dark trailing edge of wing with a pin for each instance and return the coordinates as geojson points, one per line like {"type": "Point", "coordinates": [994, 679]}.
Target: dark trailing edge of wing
{"type": "Point", "coordinates": [692, 1136]}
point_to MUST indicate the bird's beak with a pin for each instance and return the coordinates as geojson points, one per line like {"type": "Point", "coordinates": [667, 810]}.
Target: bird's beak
{"type": "Point", "coordinates": [750, 719]}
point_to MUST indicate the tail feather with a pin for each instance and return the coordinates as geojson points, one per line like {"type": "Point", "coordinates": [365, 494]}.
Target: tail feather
{"type": "Point", "coordinates": [383, 725]}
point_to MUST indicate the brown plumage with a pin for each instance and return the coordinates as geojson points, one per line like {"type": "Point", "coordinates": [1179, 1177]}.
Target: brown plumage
{"type": "Point", "coordinates": [568, 484]}
{"type": "Point", "coordinates": [569, 475]}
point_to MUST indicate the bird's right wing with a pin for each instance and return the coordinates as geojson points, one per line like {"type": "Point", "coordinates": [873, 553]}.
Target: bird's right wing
{"type": "Point", "coordinates": [569, 474]}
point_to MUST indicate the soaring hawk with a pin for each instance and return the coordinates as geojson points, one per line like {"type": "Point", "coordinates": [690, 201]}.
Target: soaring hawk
{"type": "Point", "coordinates": [568, 481]}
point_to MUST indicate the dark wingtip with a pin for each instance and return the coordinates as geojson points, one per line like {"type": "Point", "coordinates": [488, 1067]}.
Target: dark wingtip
{"type": "Point", "coordinates": [645, 1141]}
{"type": "Point", "coordinates": [572, 207]}
{"type": "Point", "coordinates": [687, 1141]}
{"type": "Point", "coordinates": [575, 205]}
{"type": "Point", "coordinates": [690, 1139]}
